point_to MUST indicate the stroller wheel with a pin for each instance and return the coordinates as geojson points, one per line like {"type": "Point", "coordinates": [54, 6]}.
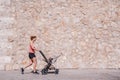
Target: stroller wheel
{"type": "Point", "coordinates": [56, 71]}
{"type": "Point", "coordinates": [44, 72]}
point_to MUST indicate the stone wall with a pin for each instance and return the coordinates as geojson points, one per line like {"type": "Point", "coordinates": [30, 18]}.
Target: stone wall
{"type": "Point", "coordinates": [87, 32]}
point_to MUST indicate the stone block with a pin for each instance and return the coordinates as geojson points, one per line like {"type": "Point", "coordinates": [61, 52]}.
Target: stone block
{"type": "Point", "coordinates": [8, 67]}
{"type": "Point", "coordinates": [2, 66]}
{"type": "Point", "coordinates": [6, 20]}
{"type": "Point", "coordinates": [5, 2]}
{"type": "Point", "coordinates": [5, 59]}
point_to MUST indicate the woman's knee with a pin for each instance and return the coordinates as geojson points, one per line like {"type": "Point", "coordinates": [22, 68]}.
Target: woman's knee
{"type": "Point", "coordinates": [31, 63]}
{"type": "Point", "coordinates": [34, 60]}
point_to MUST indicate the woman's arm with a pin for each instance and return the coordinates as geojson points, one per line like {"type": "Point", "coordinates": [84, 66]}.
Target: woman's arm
{"type": "Point", "coordinates": [33, 47]}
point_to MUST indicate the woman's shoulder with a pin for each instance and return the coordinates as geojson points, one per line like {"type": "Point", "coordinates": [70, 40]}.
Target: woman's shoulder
{"type": "Point", "coordinates": [31, 43]}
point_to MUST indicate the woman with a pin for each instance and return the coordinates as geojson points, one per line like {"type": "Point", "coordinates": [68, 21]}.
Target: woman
{"type": "Point", "coordinates": [32, 55]}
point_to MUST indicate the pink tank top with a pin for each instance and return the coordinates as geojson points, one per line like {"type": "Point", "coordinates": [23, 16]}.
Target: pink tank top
{"type": "Point", "coordinates": [31, 50]}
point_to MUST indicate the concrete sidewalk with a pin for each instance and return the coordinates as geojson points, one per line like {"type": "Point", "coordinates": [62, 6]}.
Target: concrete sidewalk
{"type": "Point", "coordinates": [72, 74]}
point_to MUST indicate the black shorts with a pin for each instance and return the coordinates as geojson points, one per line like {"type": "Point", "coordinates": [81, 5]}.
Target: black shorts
{"type": "Point", "coordinates": [31, 55]}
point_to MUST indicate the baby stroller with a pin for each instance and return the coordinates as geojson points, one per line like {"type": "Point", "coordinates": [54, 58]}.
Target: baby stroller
{"type": "Point", "coordinates": [49, 68]}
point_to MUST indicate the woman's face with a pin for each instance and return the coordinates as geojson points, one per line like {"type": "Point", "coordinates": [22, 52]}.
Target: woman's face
{"type": "Point", "coordinates": [34, 39]}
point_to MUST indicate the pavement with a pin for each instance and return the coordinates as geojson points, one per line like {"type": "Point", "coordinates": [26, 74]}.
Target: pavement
{"type": "Point", "coordinates": [64, 74]}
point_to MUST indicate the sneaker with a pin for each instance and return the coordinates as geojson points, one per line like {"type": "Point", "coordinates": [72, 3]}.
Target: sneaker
{"type": "Point", "coordinates": [22, 71]}
{"type": "Point", "coordinates": [35, 72]}
{"type": "Point", "coordinates": [32, 71]}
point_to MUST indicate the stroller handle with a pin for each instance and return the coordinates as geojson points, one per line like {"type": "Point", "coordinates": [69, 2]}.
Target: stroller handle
{"type": "Point", "coordinates": [46, 60]}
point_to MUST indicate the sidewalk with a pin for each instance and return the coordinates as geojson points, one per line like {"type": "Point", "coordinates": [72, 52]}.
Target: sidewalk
{"type": "Point", "coordinates": [65, 74]}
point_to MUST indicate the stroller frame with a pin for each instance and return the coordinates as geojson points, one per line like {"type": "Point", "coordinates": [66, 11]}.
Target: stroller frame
{"type": "Point", "coordinates": [49, 67]}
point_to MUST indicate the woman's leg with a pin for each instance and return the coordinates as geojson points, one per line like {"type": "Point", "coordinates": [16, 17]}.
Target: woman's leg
{"type": "Point", "coordinates": [31, 62]}
{"type": "Point", "coordinates": [35, 64]}
{"type": "Point", "coordinates": [22, 69]}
